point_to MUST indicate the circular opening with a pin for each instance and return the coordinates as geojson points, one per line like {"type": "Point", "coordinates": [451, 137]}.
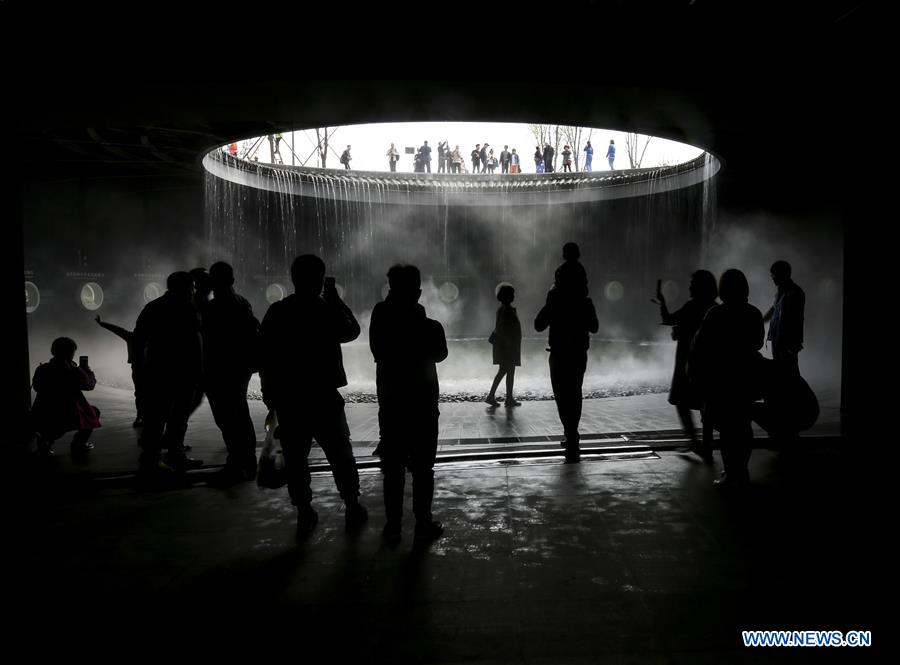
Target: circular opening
{"type": "Point", "coordinates": [614, 291]}
{"type": "Point", "coordinates": [152, 291]}
{"type": "Point", "coordinates": [32, 297]}
{"type": "Point", "coordinates": [275, 292]}
{"type": "Point", "coordinates": [462, 148]}
{"type": "Point", "coordinates": [448, 292]}
{"type": "Point", "coordinates": [91, 296]}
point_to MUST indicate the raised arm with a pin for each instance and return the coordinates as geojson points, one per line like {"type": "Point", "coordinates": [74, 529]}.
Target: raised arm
{"type": "Point", "coordinates": [124, 333]}
{"type": "Point", "coordinates": [345, 324]}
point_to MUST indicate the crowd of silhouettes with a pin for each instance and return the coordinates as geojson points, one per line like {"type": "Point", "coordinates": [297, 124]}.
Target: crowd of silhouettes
{"type": "Point", "coordinates": [483, 159]}
{"type": "Point", "coordinates": [202, 338]}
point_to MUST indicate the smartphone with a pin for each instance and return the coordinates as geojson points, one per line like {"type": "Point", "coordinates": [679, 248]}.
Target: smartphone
{"type": "Point", "coordinates": [82, 361]}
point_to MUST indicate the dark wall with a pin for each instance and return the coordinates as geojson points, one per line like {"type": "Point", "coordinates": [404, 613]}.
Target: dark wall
{"type": "Point", "coordinates": [119, 233]}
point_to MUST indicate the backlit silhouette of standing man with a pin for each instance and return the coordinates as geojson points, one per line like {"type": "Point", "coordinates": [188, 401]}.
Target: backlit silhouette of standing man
{"type": "Point", "coordinates": [302, 369]}
{"type": "Point", "coordinates": [571, 317]}
{"type": "Point", "coordinates": [406, 345]}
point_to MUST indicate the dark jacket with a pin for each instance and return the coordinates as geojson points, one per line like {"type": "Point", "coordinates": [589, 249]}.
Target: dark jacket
{"type": "Point", "coordinates": [301, 339]}
{"type": "Point", "coordinates": [230, 336]}
{"type": "Point", "coordinates": [548, 156]}
{"type": "Point", "coordinates": [724, 359]}
{"type": "Point", "coordinates": [167, 339]}
{"type": "Point", "coordinates": [406, 346]}
{"type": "Point", "coordinates": [60, 406]}
{"type": "Point", "coordinates": [507, 337]}
{"type": "Point", "coordinates": [571, 319]}
{"type": "Point", "coordinates": [425, 152]}
{"type": "Point", "coordinates": [786, 326]}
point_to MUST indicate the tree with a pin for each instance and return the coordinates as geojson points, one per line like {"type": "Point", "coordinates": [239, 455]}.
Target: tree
{"type": "Point", "coordinates": [322, 143]}
{"type": "Point", "coordinates": [635, 149]}
{"type": "Point", "coordinates": [573, 138]}
{"type": "Point", "coordinates": [545, 134]}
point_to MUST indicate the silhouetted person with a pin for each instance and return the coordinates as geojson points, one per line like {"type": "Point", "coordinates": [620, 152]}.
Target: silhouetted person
{"type": "Point", "coordinates": [785, 319]}
{"type": "Point", "coordinates": [202, 293]}
{"type": "Point", "coordinates": [491, 161]}
{"type": "Point", "coordinates": [567, 159]}
{"type": "Point", "coordinates": [168, 347]}
{"type": "Point", "coordinates": [128, 336]}
{"type": "Point", "coordinates": [456, 160]}
{"type": "Point", "coordinates": [425, 156]}
{"type": "Point", "coordinates": [346, 158]}
{"type": "Point", "coordinates": [685, 321]}
{"type": "Point", "coordinates": [611, 153]}
{"type": "Point", "coordinates": [406, 344]}
{"type": "Point", "coordinates": [588, 157]}
{"type": "Point", "coordinates": [443, 155]}
{"type": "Point", "coordinates": [548, 158]}
{"type": "Point", "coordinates": [571, 316]}
{"type": "Point", "coordinates": [538, 160]}
{"type": "Point", "coordinates": [504, 159]}
{"type": "Point", "coordinates": [570, 272]}
{"type": "Point", "coordinates": [484, 157]}
{"type": "Point", "coordinates": [784, 403]}
{"type": "Point", "coordinates": [59, 405]}
{"type": "Point", "coordinates": [476, 158]}
{"type": "Point", "coordinates": [393, 156]}
{"type": "Point", "coordinates": [515, 165]}
{"type": "Point", "coordinates": [274, 147]}
{"type": "Point", "coordinates": [230, 346]}
{"type": "Point", "coordinates": [507, 342]}
{"type": "Point", "coordinates": [723, 362]}
{"type": "Point", "coordinates": [302, 369]}
{"type": "Point", "coordinates": [202, 287]}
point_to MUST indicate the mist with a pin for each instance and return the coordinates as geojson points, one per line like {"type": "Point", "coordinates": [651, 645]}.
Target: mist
{"type": "Point", "coordinates": [626, 246]}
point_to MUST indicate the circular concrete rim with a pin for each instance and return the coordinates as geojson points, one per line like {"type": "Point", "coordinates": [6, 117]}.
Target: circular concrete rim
{"type": "Point", "coordinates": [459, 189]}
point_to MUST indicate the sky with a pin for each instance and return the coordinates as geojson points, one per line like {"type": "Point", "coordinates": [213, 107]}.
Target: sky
{"type": "Point", "coordinates": [369, 145]}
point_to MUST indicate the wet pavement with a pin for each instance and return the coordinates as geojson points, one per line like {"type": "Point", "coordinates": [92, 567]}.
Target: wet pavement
{"type": "Point", "coordinates": [625, 558]}
{"type": "Point", "coordinates": [463, 426]}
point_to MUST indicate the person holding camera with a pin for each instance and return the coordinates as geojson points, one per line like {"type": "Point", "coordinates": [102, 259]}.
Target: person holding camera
{"type": "Point", "coordinates": [60, 406]}
{"type": "Point", "coordinates": [301, 371]}
{"type": "Point", "coordinates": [685, 321]}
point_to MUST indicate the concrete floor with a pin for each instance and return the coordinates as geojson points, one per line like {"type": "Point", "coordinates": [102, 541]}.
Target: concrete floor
{"type": "Point", "coordinates": [614, 560]}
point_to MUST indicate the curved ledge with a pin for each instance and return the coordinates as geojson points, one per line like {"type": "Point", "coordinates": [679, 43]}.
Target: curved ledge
{"type": "Point", "coordinates": [459, 189]}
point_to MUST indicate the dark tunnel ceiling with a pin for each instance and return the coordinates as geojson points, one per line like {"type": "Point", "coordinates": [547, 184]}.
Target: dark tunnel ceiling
{"type": "Point", "coordinates": [725, 93]}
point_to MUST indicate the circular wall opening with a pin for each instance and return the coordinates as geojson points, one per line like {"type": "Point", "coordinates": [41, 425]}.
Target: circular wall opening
{"type": "Point", "coordinates": [152, 291]}
{"type": "Point", "coordinates": [91, 296]}
{"type": "Point", "coordinates": [32, 297]}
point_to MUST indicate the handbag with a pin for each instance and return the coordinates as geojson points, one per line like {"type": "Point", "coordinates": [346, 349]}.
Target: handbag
{"type": "Point", "coordinates": [272, 472]}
